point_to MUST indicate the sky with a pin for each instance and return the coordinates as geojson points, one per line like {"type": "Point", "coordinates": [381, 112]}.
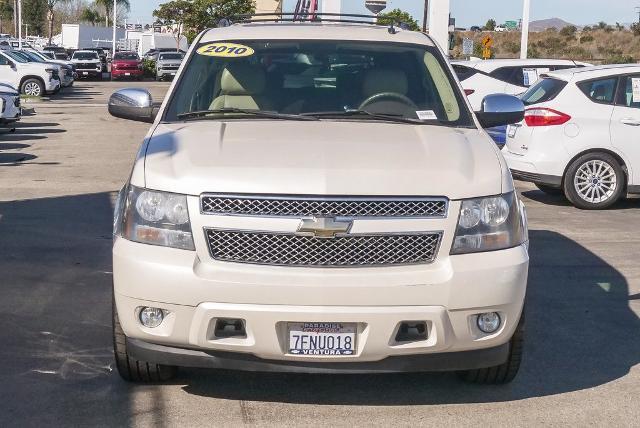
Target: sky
{"type": "Point", "coordinates": [477, 12]}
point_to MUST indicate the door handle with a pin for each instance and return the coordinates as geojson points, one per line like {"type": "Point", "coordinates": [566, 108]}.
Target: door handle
{"type": "Point", "coordinates": [630, 122]}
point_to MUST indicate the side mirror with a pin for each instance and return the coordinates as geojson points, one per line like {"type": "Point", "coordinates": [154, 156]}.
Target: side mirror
{"type": "Point", "coordinates": [132, 104]}
{"type": "Point", "coordinates": [500, 110]}
{"type": "Point", "coordinates": [11, 64]}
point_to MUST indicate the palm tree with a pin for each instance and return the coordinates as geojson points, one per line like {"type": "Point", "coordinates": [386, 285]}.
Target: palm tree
{"type": "Point", "coordinates": [108, 6]}
{"type": "Point", "coordinates": [51, 4]}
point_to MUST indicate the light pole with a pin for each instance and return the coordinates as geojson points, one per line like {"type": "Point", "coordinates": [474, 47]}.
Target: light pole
{"type": "Point", "coordinates": [524, 42]}
{"type": "Point", "coordinates": [19, 24]}
{"type": "Point", "coordinates": [115, 15]}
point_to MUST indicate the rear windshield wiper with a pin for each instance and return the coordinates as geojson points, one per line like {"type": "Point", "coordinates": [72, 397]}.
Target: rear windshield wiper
{"type": "Point", "coordinates": [355, 112]}
{"type": "Point", "coordinates": [260, 113]}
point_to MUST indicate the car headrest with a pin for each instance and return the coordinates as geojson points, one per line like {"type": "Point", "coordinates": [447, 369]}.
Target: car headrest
{"type": "Point", "coordinates": [385, 80]}
{"type": "Point", "coordinates": [242, 79]}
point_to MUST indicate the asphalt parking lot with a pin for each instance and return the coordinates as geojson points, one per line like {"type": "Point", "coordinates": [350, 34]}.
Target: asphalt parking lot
{"type": "Point", "coordinates": [59, 173]}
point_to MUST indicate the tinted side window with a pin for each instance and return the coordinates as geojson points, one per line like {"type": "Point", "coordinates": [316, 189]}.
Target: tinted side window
{"type": "Point", "coordinates": [545, 90]}
{"type": "Point", "coordinates": [627, 96]}
{"type": "Point", "coordinates": [599, 91]}
{"type": "Point", "coordinates": [3, 60]}
{"type": "Point", "coordinates": [463, 72]}
{"type": "Point", "coordinates": [504, 73]}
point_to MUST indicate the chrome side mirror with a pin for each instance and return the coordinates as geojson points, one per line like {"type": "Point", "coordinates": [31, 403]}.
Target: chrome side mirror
{"type": "Point", "coordinates": [132, 104]}
{"type": "Point", "coordinates": [500, 110]}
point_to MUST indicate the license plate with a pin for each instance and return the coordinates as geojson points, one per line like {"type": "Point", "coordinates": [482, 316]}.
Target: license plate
{"type": "Point", "coordinates": [322, 338]}
{"type": "Point", "coordinates": [84, 73]}
{"type": "Point", "coordinates": [173, 74]}
{"type": "Point", "coordinates": [127, 74]}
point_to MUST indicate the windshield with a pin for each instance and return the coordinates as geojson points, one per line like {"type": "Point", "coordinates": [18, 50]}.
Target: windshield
{"type": "Point", "coordinates": [126, 56]}
{"type": "Point", "coordinates": [31, 56]}
{"type": "Point", "coordinates": [170, 56]}
{"type": "Point", "coordinates": [85, 55]}
{"type": "Point", "coordinates": [325, 78]}
{"type": "Point", "coordinates": [49, 55]}
{"type": "Point", "coordinates": [16, 57]}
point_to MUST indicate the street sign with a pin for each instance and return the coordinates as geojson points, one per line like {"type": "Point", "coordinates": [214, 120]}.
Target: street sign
{"type": "Point", "coordinates": [511, 25]}
{"type": "Point", "coordinates": [487, 41]}
{"type": "Point", "coordinates": [375, 6]}
{"type": "Point", "coordinates": [467, 46]}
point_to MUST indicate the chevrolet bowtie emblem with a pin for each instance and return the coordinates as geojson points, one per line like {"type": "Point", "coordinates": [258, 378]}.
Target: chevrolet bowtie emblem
{"type": "Point", "coordinates": [323, 227]}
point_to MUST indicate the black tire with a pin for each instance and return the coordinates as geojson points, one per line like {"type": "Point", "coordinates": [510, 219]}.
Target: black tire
{"type": "Point", "coordinates": [129, 368]}
{"type": "Point", "coordinates": [505, 372]}
{"type": "Point", "coordinates": [554, 191]}
{"type": "Point", "coordinates": [30, 85]}
{"type": "Point", "coordinates": [572, 193]}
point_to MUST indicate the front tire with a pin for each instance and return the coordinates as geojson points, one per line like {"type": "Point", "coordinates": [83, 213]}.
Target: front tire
{"type": "Point", "coordinates": [129, 368]}
{"type": "Point", "coordinates": [594, 181]}
{"type": "Point", "coordinates": [505, 372]}
{"type": "Point", "coordinates": [32, 88]}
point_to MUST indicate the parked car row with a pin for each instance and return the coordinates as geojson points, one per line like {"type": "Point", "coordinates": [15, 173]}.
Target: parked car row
{"type": "Point", "coordinates": [578, 137]}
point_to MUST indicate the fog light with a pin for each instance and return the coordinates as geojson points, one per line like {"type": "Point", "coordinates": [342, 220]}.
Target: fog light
{"type": "Point", "coordinates": [151, 317]}
{"type": "Point", "coordinates": [489, 322]}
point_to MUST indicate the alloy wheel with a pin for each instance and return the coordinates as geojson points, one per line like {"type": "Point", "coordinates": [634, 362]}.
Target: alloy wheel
{"type": "Point", "coordinates": [32, 89]}
{"type": "Point", "coordinates": [595, 181]}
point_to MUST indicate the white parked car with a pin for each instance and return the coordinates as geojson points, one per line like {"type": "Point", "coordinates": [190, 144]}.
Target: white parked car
{"type": "Point", "coordinates": [318, 198]}
{"type": "Point", "coordinates": [581, 135]}
{"type": "Point", "coordinates": [500, 29]}
{"type": "Point", "coordinates": [504, 76]}
{"type": "Point", "coordinates": [65, 72]}
{"type": "Point", "coordinates": [10, 110]}
{"type": "Point", "coordinates": [34, 79]}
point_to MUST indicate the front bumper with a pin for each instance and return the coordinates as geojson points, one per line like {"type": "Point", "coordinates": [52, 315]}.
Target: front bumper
{"type": "Point", "coordinates": [533, 169]}
{"type": "Point", "coordinates": [126, 73]}
{"type": "Point", "coordinates": [162, 73]}
{"type": "Point", "coordinates": [446, 361]}
{"type": "Point", "coordinates": [92, 72]}
{"type": "Point", "coordinates": [449, 295]}
{"type": "Point", "coordinates": [52, 86]}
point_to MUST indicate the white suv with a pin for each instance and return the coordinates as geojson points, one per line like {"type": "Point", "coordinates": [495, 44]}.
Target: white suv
{"type": "Point", "coordinates": [87, 64]}
{"type": "Point", "coordinates": [318, 198]}
{"type": "Point", "coordinates": [31, 78]}
{"type": "Point", "coordinates": [580, 135]}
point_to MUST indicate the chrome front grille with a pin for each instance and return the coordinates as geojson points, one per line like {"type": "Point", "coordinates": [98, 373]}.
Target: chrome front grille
{"type": "Point", "coordinates": [287, 249]}
{"type": "Point", "coordinates": [315, 206]}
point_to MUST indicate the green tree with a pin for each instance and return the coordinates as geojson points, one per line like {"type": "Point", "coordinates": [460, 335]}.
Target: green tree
{"type": "Point", "coordinates": [396, 16]}
{"type": "Point", "coordinates": [207, 14]}
{"type": "Point", "coordinates": [108, 7]}
{"type": "Point", "coordinates": [33, 15]}
{"type": "Point", "coordinates": [90, 15]}
{"type": "Point", "coordinates": [569, 31]}
{"type": "Point", "coordinates": [619, 26]}
{"type": "Point", "coordinates": [174, 13]}
{"type": "Point", "coordinates": [6, 12]}
{"type": "Point", "coordinates": [602, 25]}
{"type": "Point", "coordinates": [490, 25]}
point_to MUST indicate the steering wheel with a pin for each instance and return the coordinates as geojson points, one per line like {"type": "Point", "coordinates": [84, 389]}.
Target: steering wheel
{"type": "Point", "coordinates": [387, 95]}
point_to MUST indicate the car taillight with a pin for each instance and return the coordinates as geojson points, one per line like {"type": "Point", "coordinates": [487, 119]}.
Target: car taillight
{"type": "Point", "coordinates": [545, 117]}
{"type": "Point", "coordinates": [469, 91]}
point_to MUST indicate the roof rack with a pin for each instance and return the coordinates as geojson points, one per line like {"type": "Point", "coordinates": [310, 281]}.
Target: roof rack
{"type": "Point", "coordinates": [311, 18]}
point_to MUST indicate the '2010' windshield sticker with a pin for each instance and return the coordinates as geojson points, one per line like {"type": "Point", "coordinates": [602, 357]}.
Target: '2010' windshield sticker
{"type": "Point", "coordinates": [225, 50]}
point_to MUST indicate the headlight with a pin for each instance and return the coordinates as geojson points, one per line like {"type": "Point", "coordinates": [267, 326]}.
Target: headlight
{"type": "Point", "coordinates": [152, 217]}
{"type": "Point", "coordinates": [488, 224]}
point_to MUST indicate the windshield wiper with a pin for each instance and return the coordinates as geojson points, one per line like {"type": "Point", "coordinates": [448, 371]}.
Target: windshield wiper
{"type": "Point", "coordinates": [260, 113]}
{"type": "Point", "coordinates": [355, 112]}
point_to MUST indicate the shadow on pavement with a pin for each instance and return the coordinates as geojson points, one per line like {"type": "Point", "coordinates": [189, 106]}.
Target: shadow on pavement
{"type": "Point", "coordinates": [55, 312]}
{"type": "Point", "coordinates": [24, 132]}
{"type": "Point", "coordinates": [561, 201]}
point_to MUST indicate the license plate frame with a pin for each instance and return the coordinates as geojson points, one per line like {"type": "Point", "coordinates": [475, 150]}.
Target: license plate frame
{"type": "Point", "coordinates": [322, 339]}
{"type": "Point", "coordinates": [85, 73]}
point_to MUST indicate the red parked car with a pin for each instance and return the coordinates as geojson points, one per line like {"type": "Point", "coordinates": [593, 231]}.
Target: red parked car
{"type": "Point", "coordinates": [126, 65]}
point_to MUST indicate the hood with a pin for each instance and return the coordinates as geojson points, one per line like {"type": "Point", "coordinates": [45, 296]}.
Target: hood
{"type": "Point", "coordinates": [321, 158]}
